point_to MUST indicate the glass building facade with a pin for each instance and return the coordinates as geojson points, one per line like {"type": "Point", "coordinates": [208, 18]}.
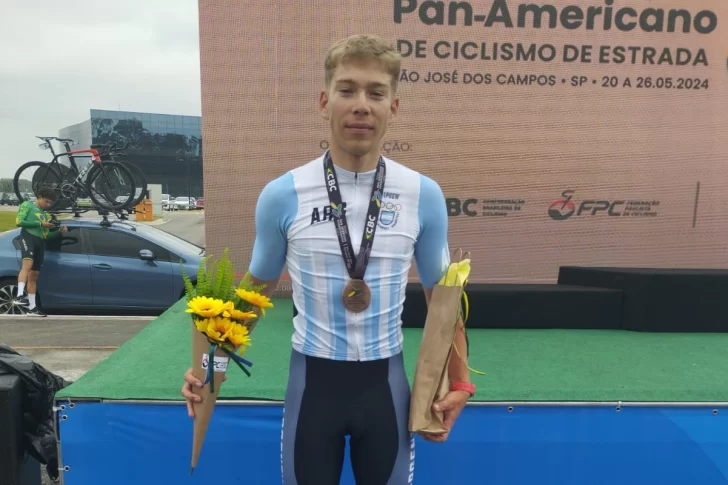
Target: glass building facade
{"type": "Point", "coordinates": [167, 148]}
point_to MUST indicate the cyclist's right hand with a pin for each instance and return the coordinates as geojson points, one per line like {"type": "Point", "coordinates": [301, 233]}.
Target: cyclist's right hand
{"type": "Point", "coordinates": [47, 224]}
{"type": "Point", "coordinates": [190, 382]}
{"type": "Point", "coordinates": [187, 391]}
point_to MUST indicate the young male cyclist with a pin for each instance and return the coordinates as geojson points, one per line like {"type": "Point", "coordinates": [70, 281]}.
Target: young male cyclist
{"type": "Point", "coordinates": [36, 228]}
{"type": "Point", "coordinates": [346, 374]}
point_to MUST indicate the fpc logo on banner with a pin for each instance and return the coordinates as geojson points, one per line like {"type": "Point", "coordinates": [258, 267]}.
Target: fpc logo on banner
{"type": "Point", "coordinates": [565, 207]}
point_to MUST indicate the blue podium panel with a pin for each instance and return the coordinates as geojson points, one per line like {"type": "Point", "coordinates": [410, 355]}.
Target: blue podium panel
{"type": "Point", "coordinates": [150, 443]}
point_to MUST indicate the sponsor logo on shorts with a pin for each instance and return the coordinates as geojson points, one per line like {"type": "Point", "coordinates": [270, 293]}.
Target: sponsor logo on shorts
{"type": "Point", "coordinates": [283, 421]}
{"type": "Point", "coordinates": [411, 475]}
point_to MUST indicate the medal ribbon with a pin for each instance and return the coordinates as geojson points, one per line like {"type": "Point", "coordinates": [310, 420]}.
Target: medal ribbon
{"type": "Point", "coordinates": [355, 265]}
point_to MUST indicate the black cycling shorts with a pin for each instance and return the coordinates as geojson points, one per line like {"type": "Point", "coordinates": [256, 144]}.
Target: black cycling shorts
{"type": "Point", "coordinates": [32, 247]}
{"type": "Point", "coordinates": [328, 400]}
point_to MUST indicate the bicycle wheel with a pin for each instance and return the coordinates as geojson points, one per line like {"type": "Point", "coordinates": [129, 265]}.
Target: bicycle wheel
{"type": "Point", "coordinates": [110, 186]}
{"type": "Point", "coordinates": [43, 175]}
{"type": "Point", "coordinates": [27, 172]}
{"type": "Point", "coordinates": [140, 183]}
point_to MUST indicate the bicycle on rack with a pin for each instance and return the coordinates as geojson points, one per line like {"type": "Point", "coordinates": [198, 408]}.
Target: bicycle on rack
{"type": "Point", "coordinates": [140, 181]}
{"type": "Point", "coordinates": [108, 184]}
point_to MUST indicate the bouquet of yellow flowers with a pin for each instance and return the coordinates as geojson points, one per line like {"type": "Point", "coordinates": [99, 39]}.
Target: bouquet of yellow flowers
{"type": "Point", "coordinates": [223, 317]}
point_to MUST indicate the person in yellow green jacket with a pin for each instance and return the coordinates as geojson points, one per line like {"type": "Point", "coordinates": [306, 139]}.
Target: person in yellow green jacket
{"type": "Point", "coordinates": [36, 227]}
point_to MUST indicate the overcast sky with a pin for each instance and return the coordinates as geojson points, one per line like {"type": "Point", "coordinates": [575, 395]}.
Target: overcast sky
{"type": "Point", "coordinates": [60, 59]}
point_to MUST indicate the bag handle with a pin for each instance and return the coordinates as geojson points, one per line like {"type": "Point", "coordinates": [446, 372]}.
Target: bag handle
{"type": "Point", "coordinates": [465, 283]}
{"type": "Point", "coordinates": [464, 308]}
{"type": "Point", "coordinates": [464, 311]}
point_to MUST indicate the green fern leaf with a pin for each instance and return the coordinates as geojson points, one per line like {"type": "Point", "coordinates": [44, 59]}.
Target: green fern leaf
{"type": "Point", "coordinates": [210, 279]}
{"type": "Point", "coordinates": [229, 282]}
{"type": "Point", "coordinates": [201, 277]}
{"type": "Point", "coordinates": [219, 278]}
{"type": "Point", "coordinates": [189, 287]}
{"type": "Point", "coordinates": [245, 282]}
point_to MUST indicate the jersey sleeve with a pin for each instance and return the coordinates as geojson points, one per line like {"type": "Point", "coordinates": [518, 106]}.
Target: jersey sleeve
{"type": "Point", "coordinates": [21, 219]}
{"type": "Point", "coordinates": [274, 213]}
{"type": "Point", "coordinates": [432, 254]}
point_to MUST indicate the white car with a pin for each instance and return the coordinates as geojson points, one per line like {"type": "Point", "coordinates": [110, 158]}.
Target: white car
{"type": "Point", "coordinates": [185, 203]}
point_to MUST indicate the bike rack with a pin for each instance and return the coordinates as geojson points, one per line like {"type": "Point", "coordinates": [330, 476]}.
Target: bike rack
{"type": "Point", "coordinates": [122, 215]}
{"type": "Point", "coordinates": [122, 218]}
{"type": "Point", "coordinates": [76, 211]}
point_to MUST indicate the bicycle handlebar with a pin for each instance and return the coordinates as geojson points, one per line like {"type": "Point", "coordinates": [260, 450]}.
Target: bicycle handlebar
{"type": "Point", "coordinates": [109, 148]}
{"type": "Point", "coordinates": [113, 149]}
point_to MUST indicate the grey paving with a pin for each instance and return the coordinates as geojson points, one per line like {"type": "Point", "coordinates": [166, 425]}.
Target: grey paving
{"type": "Point", "coordinates": [189, 225]}
{"type": "Point", "coordinates": [69, 332]}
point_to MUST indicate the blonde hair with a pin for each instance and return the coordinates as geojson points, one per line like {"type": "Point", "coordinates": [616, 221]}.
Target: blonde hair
{"type": "Point", "coordinates": [363, 47]}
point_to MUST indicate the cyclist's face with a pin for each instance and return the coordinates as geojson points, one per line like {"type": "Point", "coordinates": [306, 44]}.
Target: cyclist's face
{"type": "Point", "coordinates": [359, 105]}
{"type": "Point", "coordinates": [43, 203]}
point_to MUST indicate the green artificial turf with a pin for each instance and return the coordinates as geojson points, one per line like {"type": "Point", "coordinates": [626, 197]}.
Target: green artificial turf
{"type": "Point", "coordinates": [520, 365]}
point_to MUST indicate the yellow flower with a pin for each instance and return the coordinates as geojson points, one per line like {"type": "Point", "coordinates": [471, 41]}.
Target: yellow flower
{"type": "Point", "coordinates": [239, 315]}
{"type": "Point", "coordinates": [223, 330]}
{"type": "Point", "coordinates": [219, 328]}
{"type": "Point", "coordinates": [201, 324]}
{"type": "Point", "coordinates": [255, 299]}
{"type": "Point", "coordinates": [239, 336]}
{"type": "Point", "coordinates": [206, 307]}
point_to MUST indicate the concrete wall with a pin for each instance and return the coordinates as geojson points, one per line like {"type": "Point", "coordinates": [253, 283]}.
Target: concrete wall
{"type": "Point", "coordinates": [155, 193]}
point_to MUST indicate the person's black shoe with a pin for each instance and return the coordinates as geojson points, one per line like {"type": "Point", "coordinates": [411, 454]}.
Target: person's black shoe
{"type": "Point", "coordinates": [22, 301]}
{"type": "Point", "coordinates": [35, 312]}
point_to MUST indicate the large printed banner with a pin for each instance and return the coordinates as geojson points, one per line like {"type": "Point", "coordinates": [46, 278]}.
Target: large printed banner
{"type": "Point", "coordinates": [562, 132]}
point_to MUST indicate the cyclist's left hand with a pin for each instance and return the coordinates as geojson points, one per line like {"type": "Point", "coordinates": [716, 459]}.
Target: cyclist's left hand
{"type": "Point", "coordinates": [451, 406]}
{"type": "Point", "coordinates": [64, 229]}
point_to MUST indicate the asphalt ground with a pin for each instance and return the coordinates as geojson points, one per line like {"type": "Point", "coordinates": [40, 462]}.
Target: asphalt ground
{"type": "Point", "coordinates": [189, 225]}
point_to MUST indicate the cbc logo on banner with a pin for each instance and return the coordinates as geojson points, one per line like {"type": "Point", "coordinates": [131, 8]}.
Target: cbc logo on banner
{"type": "Point", "coordinates": [472, 207]}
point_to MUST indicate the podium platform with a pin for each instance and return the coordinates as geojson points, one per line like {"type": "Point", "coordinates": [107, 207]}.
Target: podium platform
{"type": "Point", "coordinates": [534, 306]}
{"type": "Point", "coordinates": [555, 407]}
{"type": "Point", "coordinates": [661, 299]}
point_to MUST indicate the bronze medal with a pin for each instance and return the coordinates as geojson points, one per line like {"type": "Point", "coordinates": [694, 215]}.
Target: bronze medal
{"type": "Point", "coordinates": [356, 296]}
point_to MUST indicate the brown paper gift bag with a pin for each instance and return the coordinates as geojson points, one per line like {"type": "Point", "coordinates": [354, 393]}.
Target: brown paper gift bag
{"type": "Point", "coordinates": [431, 382]}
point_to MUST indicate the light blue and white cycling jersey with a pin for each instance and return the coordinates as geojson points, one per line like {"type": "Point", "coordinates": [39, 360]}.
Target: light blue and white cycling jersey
{"type": "Point", "coordinates": [294, 226]}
